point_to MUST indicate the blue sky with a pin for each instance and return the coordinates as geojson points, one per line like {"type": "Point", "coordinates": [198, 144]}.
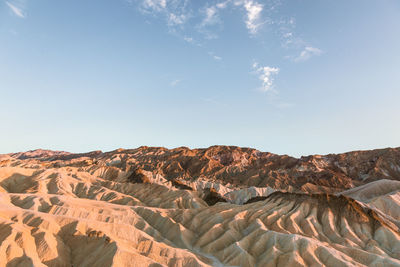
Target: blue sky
{"type": "Point", "coordinates": [293, 77]}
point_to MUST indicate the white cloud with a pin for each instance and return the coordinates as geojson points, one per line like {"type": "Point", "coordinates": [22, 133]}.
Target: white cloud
{"type": "Point", "coordinates": [265, 75]}
{"type": "Point", "coordinates": [308, 52]}
{"type": "Point", "coordinates": [16, 10]}
{"type": "Point", "coordinates": [254, 10]}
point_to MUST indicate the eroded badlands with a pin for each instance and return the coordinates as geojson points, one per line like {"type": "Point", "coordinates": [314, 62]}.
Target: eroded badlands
{"type": "Point", "coordinates": [221, 206]}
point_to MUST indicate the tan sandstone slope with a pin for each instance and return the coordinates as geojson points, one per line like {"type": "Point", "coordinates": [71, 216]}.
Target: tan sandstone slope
{"type": "Point", "coordinates": [221, 206]}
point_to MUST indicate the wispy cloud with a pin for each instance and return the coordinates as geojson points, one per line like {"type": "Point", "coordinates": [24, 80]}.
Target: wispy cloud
{"type": "Point", "coordinates": [197, 23]}
{"type": "Point", "coordinates": [223, 5]}
{"type": "Point", "coordinates": [217, 58]}
{"type": "Point", "coordinates": [211, 16]}
{"type": "Point", "coordinates": [188, 39]}
{"type": "Point", "coordinates": [16, 10]}
{"type": "Point", "coordinates": [179, 12]}
{"type": "Point", "coordinates": [174, 11]}
{"type": "Point", "coordinates": [175, 82]}
{"type": "Point", "coordinates": [253, 18]}
{"type": "Point", "coordinates": [154, 5]}
{"type": "Point", "coordinates": [211, 13]}
{"type": "Point", "coordinates": [307, 53]}
{"type": "Point", "coordinates": [176, 19]}
{"type": "Point", "coordinates": [289, 39]}
{"type": "Point", "coordinates": [191, 40]}
{"type": "Point", "coordinates": [265, 74]}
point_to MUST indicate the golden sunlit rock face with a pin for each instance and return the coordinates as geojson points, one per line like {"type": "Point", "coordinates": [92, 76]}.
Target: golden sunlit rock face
{"type": "Point", "coordinates": [221, 206]}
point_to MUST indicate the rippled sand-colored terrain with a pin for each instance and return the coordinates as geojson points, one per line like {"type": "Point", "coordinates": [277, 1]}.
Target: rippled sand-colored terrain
{"type": "Point", "coordinates": [221, 206]}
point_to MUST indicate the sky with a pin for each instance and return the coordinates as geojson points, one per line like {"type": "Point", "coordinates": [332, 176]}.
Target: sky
{"type": "Point", "coordinates": [294, 77]}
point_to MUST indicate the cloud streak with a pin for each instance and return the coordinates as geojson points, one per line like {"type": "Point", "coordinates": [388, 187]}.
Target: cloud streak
{"type": "Point", "coordinates": [217, 58]}
{"type": "Point", "coordinates": [16, 10]}
{"type": "Point", "coordinates": [307, 53]}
